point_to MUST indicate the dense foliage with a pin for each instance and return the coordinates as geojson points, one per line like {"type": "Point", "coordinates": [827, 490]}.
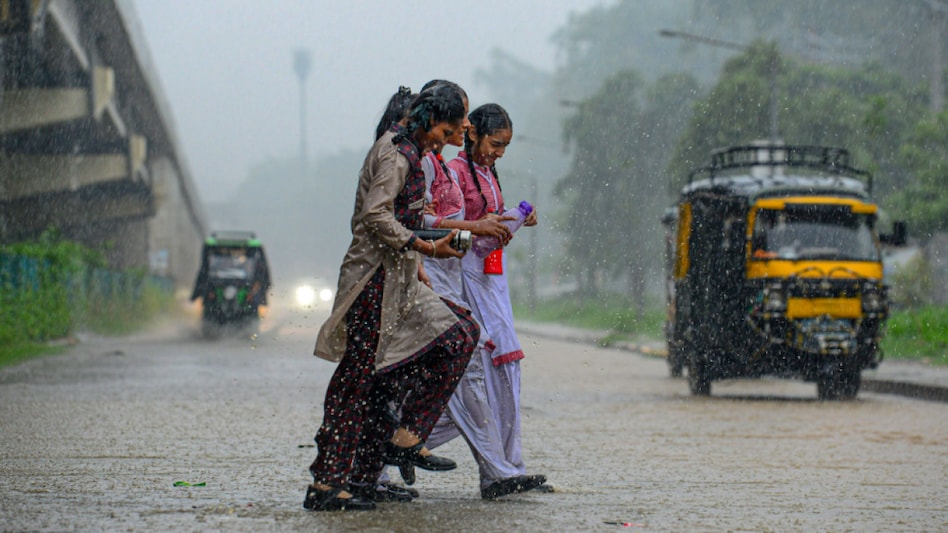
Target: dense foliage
{"type": "Point", "coordinates": [922, 200]}
{"type": "Point", "coordinates": [621, 137]}
{"type": "Point", "coordinates": [637, 134]}
{"type": "Point", "coordinates": [51, 287]}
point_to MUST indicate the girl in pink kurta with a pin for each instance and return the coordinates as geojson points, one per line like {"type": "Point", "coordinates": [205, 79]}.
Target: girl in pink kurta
{"type": "Point", "coordinates": [488, 294]}
{"type": "Point", "coordinates": [469, 413]}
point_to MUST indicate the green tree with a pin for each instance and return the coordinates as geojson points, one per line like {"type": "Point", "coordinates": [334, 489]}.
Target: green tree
{"type": "Point", "coordinates": [868, 110]}
{"type": "Point", "coordinates": [615, 189]}
{"type": "Point", "coordinates": [925, 154]}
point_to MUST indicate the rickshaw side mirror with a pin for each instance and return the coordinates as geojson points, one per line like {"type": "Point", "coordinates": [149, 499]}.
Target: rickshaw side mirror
{"type": "Point", "coordinates": [899, 235]}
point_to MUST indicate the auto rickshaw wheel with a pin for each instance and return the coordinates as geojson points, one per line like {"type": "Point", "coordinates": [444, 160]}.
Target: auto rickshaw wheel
{"type": "Point", "coordinates": [675, 363]}
{"type": "Point", "coordinates": [840, 384]}
{"type": "Point", "coordinates": [698, 379]}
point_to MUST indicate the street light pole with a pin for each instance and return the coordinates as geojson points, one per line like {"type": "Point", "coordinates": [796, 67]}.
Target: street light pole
{"type": "Point", "coordinates": [938, 8]}
{"type": "Point", "coordinates": [772, 73]}
{"type": "Point", "coordinates": [302, 64]}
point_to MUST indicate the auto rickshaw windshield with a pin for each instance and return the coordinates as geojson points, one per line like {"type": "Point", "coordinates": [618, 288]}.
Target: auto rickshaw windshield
{"type": "Point", "coordinates": [230, 264]}
{"type": "Point", "coordinates": [814, 234]}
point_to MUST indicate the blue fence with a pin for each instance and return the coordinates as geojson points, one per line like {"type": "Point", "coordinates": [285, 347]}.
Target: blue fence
{"type": "Point", "coordinates": [39, 301]}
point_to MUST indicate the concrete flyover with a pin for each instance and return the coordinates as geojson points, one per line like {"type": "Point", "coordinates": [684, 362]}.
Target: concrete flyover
{"type": "Point", "coordinates": [87, 141]}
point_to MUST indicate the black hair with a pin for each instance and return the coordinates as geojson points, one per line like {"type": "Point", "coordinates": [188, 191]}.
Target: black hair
{"type": "Point", "coordinates": [395, 110]}
{"type": "Point", "coordinates": [435, 83]}
{"type": "Point", "coordinates": [440, 103]}
{"type": "Point", "coordinates": [485, 120]}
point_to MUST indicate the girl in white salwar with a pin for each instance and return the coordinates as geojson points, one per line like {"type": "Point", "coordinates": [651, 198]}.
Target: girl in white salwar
{"type": "Point", "coordinates": [497, 372]}
{"type": "Point", "coordinates": [469, 412]}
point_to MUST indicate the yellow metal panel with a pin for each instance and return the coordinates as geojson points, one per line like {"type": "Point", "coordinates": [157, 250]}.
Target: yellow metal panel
{"type": "Point", "coordinates": [834, 307]}
{"type": "Point", "coordinates": [778, 268]}
{"type": "Point", "coordinates": [857, 206]}
{"type": "Point", "coordinates": [681, 245]}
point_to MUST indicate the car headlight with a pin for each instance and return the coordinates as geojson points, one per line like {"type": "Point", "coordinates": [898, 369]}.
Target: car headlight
{"type": "Point", "coordinates": [325, 295]}
{"type": "Point", "coordinates": [305, 295]}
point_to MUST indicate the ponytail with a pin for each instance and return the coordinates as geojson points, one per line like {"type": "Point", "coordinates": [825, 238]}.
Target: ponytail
{"type": "Point", "coordinates": [395, 110]}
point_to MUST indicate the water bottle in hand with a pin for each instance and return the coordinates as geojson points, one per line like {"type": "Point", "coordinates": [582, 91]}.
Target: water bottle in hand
{"type": "Point", "coordinates": [485, 244]}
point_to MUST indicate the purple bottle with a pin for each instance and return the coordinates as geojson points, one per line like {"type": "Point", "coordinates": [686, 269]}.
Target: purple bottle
{"type": "Point", "coordinates": [484, 244]}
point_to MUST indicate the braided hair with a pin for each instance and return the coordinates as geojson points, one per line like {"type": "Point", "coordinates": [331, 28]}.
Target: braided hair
{"type": "Point", "coordinates": [485, 120]}
{"type": "Point", "coordinates": [440, 103]}
{"type": "Point", "coordinates": [395, 110]}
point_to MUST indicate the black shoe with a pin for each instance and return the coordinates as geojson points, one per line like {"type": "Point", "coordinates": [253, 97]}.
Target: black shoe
{"type": "Point", "coordinates": [511, 485]}
{"type": "Point", "coordinates": [392, 487]}
{"type": "Point", "coordinates": [407, 472]}
{"type": "Point", "coordinates": [385, 492]}
{"type": "Point", "coordinates": [398, 456]}
{"type": "Point", "coordinates": [329, 500]}
{"type": "Point", "coordinates": [546, 487]}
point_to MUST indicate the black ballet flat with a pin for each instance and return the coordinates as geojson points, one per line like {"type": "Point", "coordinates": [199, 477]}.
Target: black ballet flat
{"type": "Point", "coordinates": [329, 500]}
{"type": "Point", "coordinates": [407, 472]}
{"type": "Point", "coordinates": [385, 492]}
{"type": "Point", "coordinates": [398, 489]}
{"type": "Point", "coordinates": [411, 456]}
{"type": "Point", "coordinates": [511, 485]}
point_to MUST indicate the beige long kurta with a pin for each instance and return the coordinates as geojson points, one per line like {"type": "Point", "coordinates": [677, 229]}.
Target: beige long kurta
{"type": "Point", "coordinates": [412, 314]}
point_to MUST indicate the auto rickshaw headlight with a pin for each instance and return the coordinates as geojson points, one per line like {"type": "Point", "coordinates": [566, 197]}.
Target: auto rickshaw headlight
{"type": "Point", "coordinates": [230, 292]}
{"type": "Point", "coordinates": [774, 299]}
{"type": "Point", "coordinates": [325, 295]}
{"type": "Point", "coordinates": [872, 301]}
{"type": "Point", "coordinates": [305, 295]}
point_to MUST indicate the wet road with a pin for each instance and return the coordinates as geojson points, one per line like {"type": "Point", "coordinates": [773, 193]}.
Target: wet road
{"type": "Point", "coordinates": [95, 439]}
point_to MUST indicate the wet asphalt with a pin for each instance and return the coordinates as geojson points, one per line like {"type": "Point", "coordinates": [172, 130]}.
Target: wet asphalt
{"type": "Point", "coordinates": [96, 439]}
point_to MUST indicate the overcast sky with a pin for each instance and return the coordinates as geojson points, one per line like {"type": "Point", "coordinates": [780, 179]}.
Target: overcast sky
{"type": "Point", "coordinates": [226, 67]}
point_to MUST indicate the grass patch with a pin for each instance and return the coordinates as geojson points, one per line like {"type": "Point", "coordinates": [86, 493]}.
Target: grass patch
{"type": "Point", "coordinates": [21, 351]}
{"type": "Point", "coordinates": [918, 334]}
{"type": "Point", "coordinates": [606, 313]}
{"type": "Point", "coordinates": [127, 315]}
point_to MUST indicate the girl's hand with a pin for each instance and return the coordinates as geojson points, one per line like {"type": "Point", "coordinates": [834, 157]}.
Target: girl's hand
{"type": "Point", "coordinates": [531, 219]}
{"type": "Point", "coordinates": [422, 275]}
{"type": "Point", "coordinates": [431, 209]}
{"type": "Point", "coordinates": [491, 226]}
{"type": "Point", "coordinates": [443, 246]}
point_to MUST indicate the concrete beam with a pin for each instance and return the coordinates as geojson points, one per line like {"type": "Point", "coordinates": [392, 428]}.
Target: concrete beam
{"type": "Point", "coordinates": [30, 175]}
{"type": "Point", "coordinates": [95, 205]}
{"type": "Point", "coordinates": [23, 109]}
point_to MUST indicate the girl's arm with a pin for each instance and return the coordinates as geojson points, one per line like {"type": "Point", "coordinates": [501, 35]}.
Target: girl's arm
{"type": "Point", "coordinates": [490, 225]}
{"type": "Point", "coordinates": [378, 208]}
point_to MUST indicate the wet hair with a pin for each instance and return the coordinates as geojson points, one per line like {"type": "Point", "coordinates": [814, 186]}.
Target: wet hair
{"type": "Point", "coordinates": [435, 83]}
{"type": "Point", "coordinates": [395, 110]}
{"type": "Point", "coordinates": [440, 103]}
{"type": "Point", "coordinates": [485, 120]}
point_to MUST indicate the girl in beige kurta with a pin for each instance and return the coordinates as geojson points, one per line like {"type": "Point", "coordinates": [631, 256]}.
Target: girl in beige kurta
{"type": "Point", "coordinates": [388, 331]}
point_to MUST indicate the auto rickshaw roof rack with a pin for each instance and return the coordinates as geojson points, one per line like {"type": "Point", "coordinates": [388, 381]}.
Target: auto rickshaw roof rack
{"type": "Point", "coordinates": [233, 238]}
{"type": "Point", "coordinates": [823, 159]}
